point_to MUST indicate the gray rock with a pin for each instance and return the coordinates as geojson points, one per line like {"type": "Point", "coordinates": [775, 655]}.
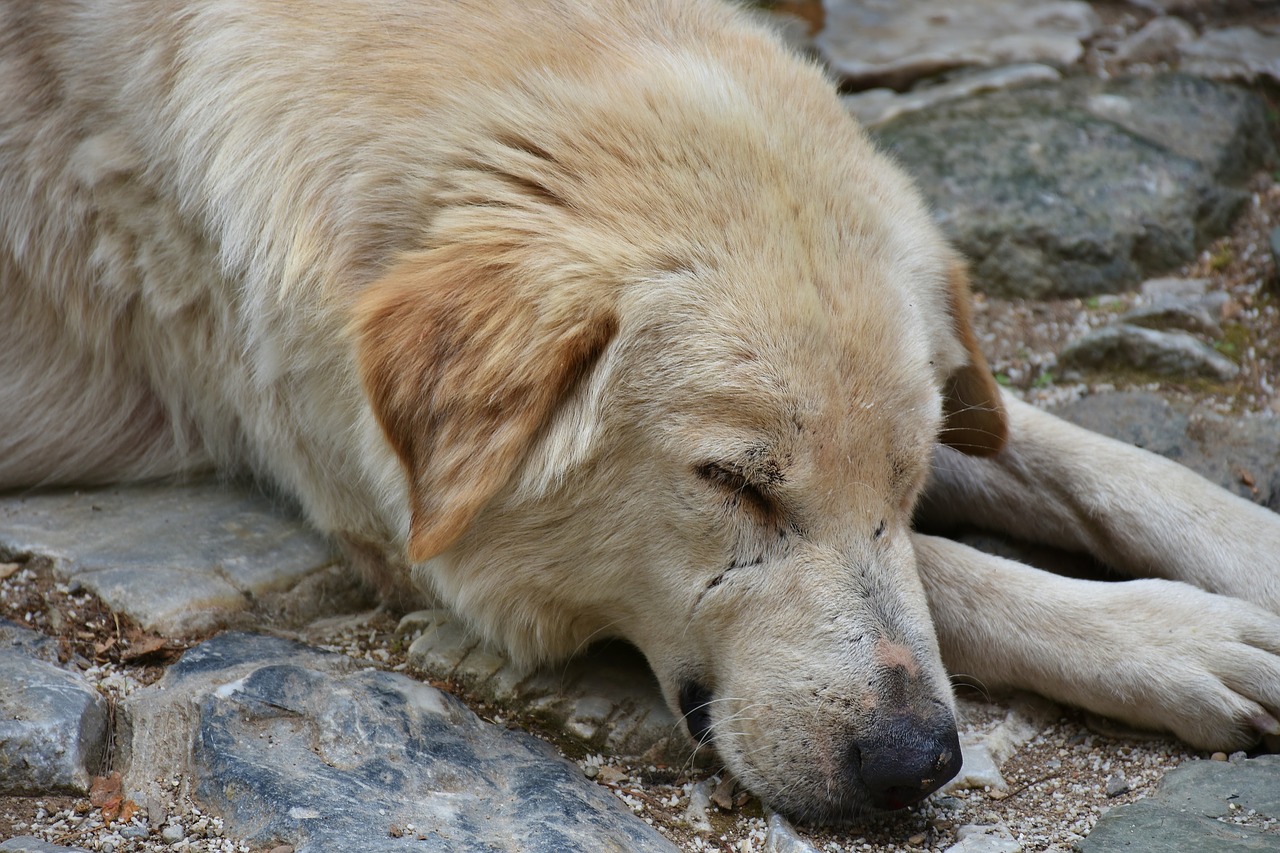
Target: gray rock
{"type": "Point", "coordinates": [1117, 785]}
{"type": "Point", "coordinates": [1234, 53]}
{"type": "Point", "coordinates": [1196, 807]}
{"type": "Point", "coordinates": [984, 753]}
{"type": "Point", "coordinates": [1086, 187]}
{"type": "Point", "coordinates": [1157, 41]}
{"type": "Point", "coordinates": [178, 558]}
{"type": "Point", "coordinates": [1199, 315]}
{"type": "Point", "coordinates": [53, 725]}
{"type": "Point", "coordinates": [292, 745]}
{"type": "Point", "coordinates": [606, 697]}
{"type": "Point", "coordinates": [1239, 453]}
{"type": "Point", "coordinates": [874, 107]}
{"type": "Point", "coordinates": [983, 838]}
{"type": "Point", "coordinates": [1122, 347]}
{"type": "Point", "coordinates": [895, 42]}
{"type": "Point", "coordinates": [1157, 289]}
{"type": "Point", "coordinates": [781, 837]}
{"type": "Point", "coordinates": [31, 844]}
{"type": "Point", "coordinates": [16, 638]}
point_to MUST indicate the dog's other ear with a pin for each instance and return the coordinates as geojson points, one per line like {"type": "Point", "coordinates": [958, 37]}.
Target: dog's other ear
{"type": "Point", "coordinates": [463, 364]}
{"type": "Point", "coordinates": [974, 417]}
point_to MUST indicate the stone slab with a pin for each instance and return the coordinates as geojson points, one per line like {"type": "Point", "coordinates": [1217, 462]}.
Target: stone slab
{"type": "Point", "coordinates": [1084, 187]}
{"type": "Point", "coordinates": [1201, 805]}
{"type": "Point", "coordinates": [1235, 53]}
{"type": "Point", "coordinates": [291, 745]}
{"type": "Point", "coordinates": [29, 844]}
{"type": "Point", "coordinates": [1241, 454]}
{"type": "Point", "coordinates": [895, 42]}
{"type": "Point", "coordinates": [1124, 347]}
{"type": "Point", "coordinates": [53, 725]}
{"type": "Point", "coordinates": [178, 558]}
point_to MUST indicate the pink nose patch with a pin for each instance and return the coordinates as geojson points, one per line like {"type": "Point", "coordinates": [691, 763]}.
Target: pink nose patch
{"type": "Point", "coordinates": [896, 655]}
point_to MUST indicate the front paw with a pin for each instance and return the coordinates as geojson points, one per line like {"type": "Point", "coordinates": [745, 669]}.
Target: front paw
{"type": "Point", "coordinates": [1202, 666]}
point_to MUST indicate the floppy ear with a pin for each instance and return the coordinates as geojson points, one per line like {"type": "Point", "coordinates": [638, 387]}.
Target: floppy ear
{"type": "Point", "coordinates": [974, 417]}
{"type": "Point", "coordinates": [463, 363]}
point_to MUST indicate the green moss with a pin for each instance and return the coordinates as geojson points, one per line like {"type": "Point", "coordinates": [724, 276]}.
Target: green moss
{"type": "Point", "coordinates": [1235, 341]}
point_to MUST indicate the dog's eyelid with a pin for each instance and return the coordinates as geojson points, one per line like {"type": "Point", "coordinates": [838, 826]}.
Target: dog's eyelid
{"type": "Point", "coordinates": [730, 477]}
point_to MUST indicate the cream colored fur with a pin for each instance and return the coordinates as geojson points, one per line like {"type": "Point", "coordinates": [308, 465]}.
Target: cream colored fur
{"type": "Point", "coordinates": [590, 318]}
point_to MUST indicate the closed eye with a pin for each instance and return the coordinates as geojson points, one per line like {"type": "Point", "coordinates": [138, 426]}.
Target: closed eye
{"type": "Point", "coordinates": [733, 483]}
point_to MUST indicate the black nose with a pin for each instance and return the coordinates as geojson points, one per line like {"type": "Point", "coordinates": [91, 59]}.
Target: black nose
{"type": "Point", "coordinates": [904, 759]}
{"type": "Point", "coordinates": [695, 705]}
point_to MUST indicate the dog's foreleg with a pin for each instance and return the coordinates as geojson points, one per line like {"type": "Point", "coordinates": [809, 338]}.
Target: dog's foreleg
{"type": "Point", "coordinates": [1153, 653]}
{"type": "Point", "coordinates": [1141, 514]}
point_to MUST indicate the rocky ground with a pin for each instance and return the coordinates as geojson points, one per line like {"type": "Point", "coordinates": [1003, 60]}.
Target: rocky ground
{"type": "Point", "coordinates": [1111, 171]}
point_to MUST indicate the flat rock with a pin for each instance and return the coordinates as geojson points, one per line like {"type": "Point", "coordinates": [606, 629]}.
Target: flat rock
{"type": "Point", "coordinates": [1123, 348]}
{"type": "Point", "coordinates": [1240, 453]}
{"type": "Point", "coordinates": [606, 697]}
{"type": "Point", "coordinates": [1157, 41]}
{"type": "Point", "coordinates": [982, 838]}
{"type": "Point", "coordinates": [781, 837]}
{"type": "Point", "coordinates": [895, 42]}
{"type": "Point", "coordinates": [1198, 315]}
{"type": "Point", "coordinates": [1085, 187]}
{"type": "Point", "coordinates": [1234, 53]}
{"type": "Point", "coordinates": [874, 107]}
{"type": "Point", "coordinates": [1201, 805]}
{"type": "Point", "coordinates": [53, 725]}
{"type": "Point", "coordinates": [291, 745]}
{"type": "Point", "coordinates": [30, 844]}
{"type": "Point", "coordinates": [180, 559]}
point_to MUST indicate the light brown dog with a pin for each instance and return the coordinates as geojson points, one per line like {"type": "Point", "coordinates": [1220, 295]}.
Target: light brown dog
{"type": "Point", "coordinates": [591, 318]}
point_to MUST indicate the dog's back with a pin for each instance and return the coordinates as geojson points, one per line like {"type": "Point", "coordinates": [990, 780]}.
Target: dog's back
{"type": "Point", "coordinates": [191, 193]}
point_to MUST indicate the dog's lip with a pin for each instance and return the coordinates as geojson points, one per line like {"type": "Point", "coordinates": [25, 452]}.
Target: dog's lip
{"type": "Point", "coordinates": [695, 709]}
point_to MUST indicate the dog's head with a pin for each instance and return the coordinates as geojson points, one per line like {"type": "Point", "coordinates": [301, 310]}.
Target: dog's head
{"type": "Point", "coordinates": [672, 368]}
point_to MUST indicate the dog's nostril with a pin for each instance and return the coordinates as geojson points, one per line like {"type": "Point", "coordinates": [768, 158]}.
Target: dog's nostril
{"type": "Point", "coordinates": [695, 705]}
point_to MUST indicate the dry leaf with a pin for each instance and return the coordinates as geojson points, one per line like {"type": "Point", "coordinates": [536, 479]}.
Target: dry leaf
{"type": "Point", "coordinates": [142, 648]}
{"type": "Point", "coordinates": [106, 788]}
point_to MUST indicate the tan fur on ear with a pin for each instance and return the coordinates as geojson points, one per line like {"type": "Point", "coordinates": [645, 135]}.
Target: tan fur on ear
{"type": "Point", "coordinates": [975, 419]}
{"type": "Point", "coordinates": [463, 364]}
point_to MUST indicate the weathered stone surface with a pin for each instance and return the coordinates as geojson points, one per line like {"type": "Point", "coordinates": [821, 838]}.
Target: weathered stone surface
{"type": "Point", "coordinates": [16, 639]}
{"type": "Point", "coordinates": [1122, 347]}
{"type": "Point", "coordinates": [53, 725]}
{"type": "Point", "coordinates": [1199, 315]}
{"type": "Point", "coordinates": [292, 745]}
{"type": "Point", "coordinates": [1234, 53]}
{"type": "Point", "coordinates": [895, 42]}
{"type": "Point", "coordinates": [28, 844]}
{"type": "Point", "coordinates": [874, 107]}
{"type": "Point", "coordinates": [985, 752]}
{"type": "Point", "coordinates": [975, 838]}
{"type": "Point", "coordinates": [1084, 187]}
{"type": "Point", "coordinates": [781, 837]}
{"type": "Point", "coordinates": [607, 696]}
{"type": "Point", "coordinates": [1239, 453]}
{"type": "Point", "coordinates": [1192, 808]}
{"type": "Point", "coordinates": [178, 558]}
{"type": "Point", "coordinates": [1157, 41]}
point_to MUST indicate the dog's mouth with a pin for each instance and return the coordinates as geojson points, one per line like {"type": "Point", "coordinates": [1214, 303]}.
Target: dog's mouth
{"type": "Point", "coordinates": [695, 706]}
